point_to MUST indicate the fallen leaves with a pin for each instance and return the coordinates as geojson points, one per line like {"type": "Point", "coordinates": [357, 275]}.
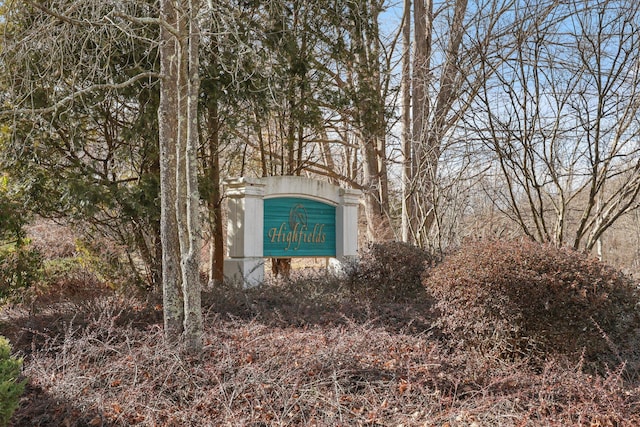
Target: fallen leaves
{"type": "Point", "coordinates": [357, 374]}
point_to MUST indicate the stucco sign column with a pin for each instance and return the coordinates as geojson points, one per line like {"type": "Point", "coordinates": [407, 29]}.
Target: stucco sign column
{"type": "Point", "coordinates": [347, 224]}
{"type": "Point", "coordinates": [244, 231]}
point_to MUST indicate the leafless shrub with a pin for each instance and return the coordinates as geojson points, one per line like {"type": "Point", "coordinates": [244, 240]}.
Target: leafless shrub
{"type": "Point", "coordinates": [315, 298]}
{"type": "Point", "coordinates": [51, 239]}
{"type": "Point", "coordinates": [390, 271]}
{"type": "Point", "coordinates": [524, 299]}
{"type": "Point", "coordinates": [299, 352]}
{"type": "Point", "coordinates": [101, 371]}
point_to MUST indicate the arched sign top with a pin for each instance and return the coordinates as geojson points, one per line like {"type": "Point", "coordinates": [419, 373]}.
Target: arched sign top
{"type": "Point", "coordinates": [298, 186]}
{"type": "Point", "coordinates": [291, 186]}
{"type": "Point", "coordinates": [303, 197]}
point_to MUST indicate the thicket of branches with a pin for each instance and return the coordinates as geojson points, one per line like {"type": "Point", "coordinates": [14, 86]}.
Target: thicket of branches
{"type": "Point", "coordinates": [320, 350]}
{"type": "Point", "coordinates": [518, 118]}
{"type": "Point", "coordinates": [530, 107]}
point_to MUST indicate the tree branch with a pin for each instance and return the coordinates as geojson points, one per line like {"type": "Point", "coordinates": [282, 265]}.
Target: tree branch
{"type": "Point", "coordinates": [145, 21]}
{"type": "Point", "coordinates": [79, 93]}
{"type": "Point", "coordinates": [55, 14]}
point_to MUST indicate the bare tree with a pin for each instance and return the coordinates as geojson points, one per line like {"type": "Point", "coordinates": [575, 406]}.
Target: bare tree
{"type": "Point", "coordinates": [407, 206]}
{"type": "Point", "coordinates": [451, 42]}
{"type": "Point", "coordinates": [75, 47]}
{"type": "Point", "coordinates": [561, 117]}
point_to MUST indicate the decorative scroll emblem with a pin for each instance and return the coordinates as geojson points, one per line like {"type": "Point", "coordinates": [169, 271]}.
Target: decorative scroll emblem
{"type": "Point", "coordinates": [298, 215]}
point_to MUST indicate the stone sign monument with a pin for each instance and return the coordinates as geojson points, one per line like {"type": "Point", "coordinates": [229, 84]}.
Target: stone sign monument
{"type": "Point", "coordinates": [287, 217]}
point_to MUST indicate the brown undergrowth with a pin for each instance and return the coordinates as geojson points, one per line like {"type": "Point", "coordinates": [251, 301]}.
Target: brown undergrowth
{"type": "Point", "coordinates": [113, 368]}
{"type": "Point", "coordinates": [532, 300]}
{"type": "Point", "coordinates": [306, 352]}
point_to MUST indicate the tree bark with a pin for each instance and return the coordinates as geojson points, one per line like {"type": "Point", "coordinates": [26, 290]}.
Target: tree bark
{"type": "Point", "coordinates": [420, 107]}
{"type": "Point", "coordinates": [188, 213]}
{"type": "Point", "coordinates": [370, 120]}
{"type": "Point", "coordinates": [168, 135]}
{"type": "Point", "coordinates": [180, 228]}
{"type": "Point", "coordinates": [214, 202]}
{"type": "Point", "coordinates": [407, 197]}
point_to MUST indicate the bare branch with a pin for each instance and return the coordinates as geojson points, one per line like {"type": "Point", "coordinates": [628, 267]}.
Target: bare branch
{"type": "Point", "coordinates": [62, 17]}
{"type": "Point", "coordinates": [145, 21]}
{"type": "Point", "coordinates": [79, 93]}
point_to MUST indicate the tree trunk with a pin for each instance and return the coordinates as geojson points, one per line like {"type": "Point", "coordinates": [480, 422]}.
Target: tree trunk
{"type": "Point", "coordinates": [187, 182]}
{"type": "Point", "coordinates": [377, 223]}
{"type": "Point", "coordinates": [407, 193]}
{"type": "Point", "coordinates": [370, 119]}
{"type": "Point", "coordinates": [430, 121]}
{"type": "Point", "coordinates": [178, 115]}
{"type": "Point", "coordinates": [168, 135]}
{"type": "Point", "coordinates": [214, 202]}
{"type": "Point", "coordinates": [423, 17]}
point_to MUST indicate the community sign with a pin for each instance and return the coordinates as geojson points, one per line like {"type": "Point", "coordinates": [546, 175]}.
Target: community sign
{"type": "Point", "coordinates": [298, 227]}
{"type": "Point", "coordinates": [287, 217]}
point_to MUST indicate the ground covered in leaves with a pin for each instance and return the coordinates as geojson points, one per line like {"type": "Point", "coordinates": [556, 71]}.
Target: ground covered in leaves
{"type": "Point", "coordinates": [309, 353]}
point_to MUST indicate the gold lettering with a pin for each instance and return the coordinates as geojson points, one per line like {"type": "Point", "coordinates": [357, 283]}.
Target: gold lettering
{"type": "Point", "coordinates": [277, 235]}
{"type": "Point", "coordinates": [299, 236]}
{"type": "Point", "coordinates": [294, 239]}
{"type": "Point", "coordinates": [289, 238]}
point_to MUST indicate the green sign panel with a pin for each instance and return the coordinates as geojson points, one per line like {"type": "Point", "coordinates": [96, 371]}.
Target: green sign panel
{"type": "Point", "coordinates": [297, 227]}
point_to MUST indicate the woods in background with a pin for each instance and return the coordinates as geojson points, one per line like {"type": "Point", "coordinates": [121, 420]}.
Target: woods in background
{"type": "Point", "coordinates": [455, 118]}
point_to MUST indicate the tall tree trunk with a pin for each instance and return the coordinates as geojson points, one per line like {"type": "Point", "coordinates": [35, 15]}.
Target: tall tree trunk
{"type": "Point", "coordinates": [188, 219]}
{"type": "Point", "coordinates": [420, 184]}
{"type": "Point", "coordinates": [430, 121]}
{"type": "Point", "coordinates": [407, 193]}
{"type": "Point", "coordinates": [178, 115]}
{"type": "Point", "coordinates": [377, 224]}
{"type": "Point", "coordinates": [216, 273]}
{"type": "Point", "coordinates": [370, 119]}
{"type": "Point", "coordinates": [168, 136]}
